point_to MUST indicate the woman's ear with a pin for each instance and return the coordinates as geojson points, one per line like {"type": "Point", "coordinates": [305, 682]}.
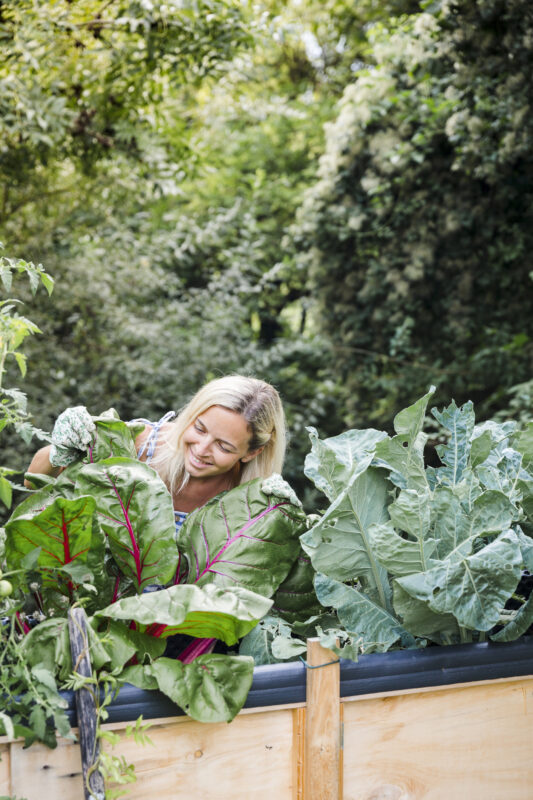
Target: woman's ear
{"type": "Point", "coordinates": [251, 455]}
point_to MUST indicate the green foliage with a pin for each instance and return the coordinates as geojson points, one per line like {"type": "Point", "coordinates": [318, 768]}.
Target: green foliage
{"type": "Point", "coordinates": [417, 233]}
{"type": "Point", "coordinates": [102, 532]}
{"type": "Point", "coordinates": [407, 552]}
{"type": "Point", "coordinates": [14, 329]}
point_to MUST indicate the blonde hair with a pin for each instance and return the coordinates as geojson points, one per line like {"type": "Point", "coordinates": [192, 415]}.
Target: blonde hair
{"type": "Point", "coordinates": [260, 405]}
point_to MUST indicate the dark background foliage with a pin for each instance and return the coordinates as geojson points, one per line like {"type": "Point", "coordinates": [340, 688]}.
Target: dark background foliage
{"type": "Point", "coordinates": [329, 195]}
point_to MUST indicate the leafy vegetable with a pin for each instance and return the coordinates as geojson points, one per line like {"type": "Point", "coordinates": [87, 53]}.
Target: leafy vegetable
{"type": "Point", "coordinates": [242, 538]}
{"type": "Point", "coordinates": [407, 552]}
{"type": "Point", "coordinates": [226, 614]}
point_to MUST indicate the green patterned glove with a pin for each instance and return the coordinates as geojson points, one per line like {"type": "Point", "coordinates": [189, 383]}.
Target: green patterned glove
{"type": "Point", "coordinates": [72, 433]}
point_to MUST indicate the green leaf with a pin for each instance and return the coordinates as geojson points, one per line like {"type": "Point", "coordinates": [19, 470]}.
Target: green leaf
{"type": "Point", "coordinates": [136, 513]}
{"type": "Point", "coordinates": [339, 544]}
{"type": "Point", "coordinates": [257, 643]}
{"type": "Point", "coordinates": [243, 537]}
{"type": "Point", "coordinates": [284, 648]}
{"type": "Point", "coordinates": [524, 444]}
{"type": "Point", "coordinates": [455, 453]}
{"type": "Point", "coordinates": [295, 598]}
{"type": "Point", "coordinates": [213, 688]}
{"type": "Point", "coordinates": [519, 625]}
{"type": "Point", "coordinates": [403, 455]}
{"type": "Point", "coordinates": [203, 612]}
{"type": "Point", "coordinates": [377, 629]}
{"type": "Point", "coordinates": [21, 362]}
{"type": "Point", "coordinates": [480, 448]}
{"type": "Point", "coordinates": [48, 282]}
{"type": "Point", "coordinates": [420, 620]}
{"type": "Point", "coordinates": [333, 462]}
{"type": "Point", "coordinates": [64, 532]}
{"type": "Point", "coordinates": [6, 492]}
{"type": "Point", "coordinates": [473, 588]}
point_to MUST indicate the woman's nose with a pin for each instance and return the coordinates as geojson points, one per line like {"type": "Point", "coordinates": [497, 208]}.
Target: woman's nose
{"type": "Point", "coordinates": [203, 447]}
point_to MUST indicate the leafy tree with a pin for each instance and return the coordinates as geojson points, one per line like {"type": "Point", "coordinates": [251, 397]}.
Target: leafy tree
{"type": "Point", "coordinates": [417, 234]}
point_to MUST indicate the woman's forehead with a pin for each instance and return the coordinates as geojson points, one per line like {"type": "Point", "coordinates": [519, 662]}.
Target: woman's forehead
{"type": "Point", "coordinates": [223, 423]}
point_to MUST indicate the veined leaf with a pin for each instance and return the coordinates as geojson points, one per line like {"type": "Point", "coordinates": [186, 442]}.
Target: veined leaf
{"type": "Point", "coordinates": [203, 612]}
{"type": "Point", "coordinates": [455, 453]}
{"type": "Point", "coordinates": [420, 620]}
{"type": "Point", "coordinates": [519, 625]}
{"type": "Point", "coordinates": [295, 598]}
{"type": "Point", "coordinates": [332, 462]}
{"type": "Point", "coordinates": [473, 588]}
{"type": "Point", "coordinates": [113, 438]}
{"type": "Point", "coordinates": [242, 538]}
{"type": "Point", "coordinates": [64, 532]}
{"type": "Point", "coordinates": [212, 688]}
{"type": "Point", "coordinates": [339, 544]}
{"type": "Point", "coordinates": [403, 455]}
{"type": "Point", "coordinates": [456, 526]}
{"type": "Point", "coordinates": [362, 618]}
{"type": "Point", "coordinates": [136, 513]}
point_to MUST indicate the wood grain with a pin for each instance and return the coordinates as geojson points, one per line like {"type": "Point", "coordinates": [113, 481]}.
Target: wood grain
{"type": "Point", "coordinates": [93, 782]}
{"type": "Point", "coordinates": [323, 725]}
{"type": "Point", "coordinates": [469, 742]}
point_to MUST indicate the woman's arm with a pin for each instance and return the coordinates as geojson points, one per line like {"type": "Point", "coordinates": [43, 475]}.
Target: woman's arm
{"type": "Point", "coordinates": [41, 465]}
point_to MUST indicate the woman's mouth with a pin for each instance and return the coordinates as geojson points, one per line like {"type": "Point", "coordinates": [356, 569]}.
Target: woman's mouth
{"type": "Point", "coordinates": [198, 462]}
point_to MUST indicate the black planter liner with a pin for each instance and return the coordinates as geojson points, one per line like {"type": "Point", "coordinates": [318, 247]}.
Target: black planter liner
{"type": "Point", "coordinates": [280, 684]}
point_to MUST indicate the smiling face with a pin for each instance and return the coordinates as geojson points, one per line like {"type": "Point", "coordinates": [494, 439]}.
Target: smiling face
{"type": "Point", "coordinates": [216, 442]}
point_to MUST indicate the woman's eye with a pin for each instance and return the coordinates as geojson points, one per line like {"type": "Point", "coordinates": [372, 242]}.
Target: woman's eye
{"type": "Point", "coordinates": [224, 449]}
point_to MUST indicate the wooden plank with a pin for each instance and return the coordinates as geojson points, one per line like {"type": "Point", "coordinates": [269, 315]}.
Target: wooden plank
{"type": "Point", "coordinates": [323, 725]}
{"type": "Point", "coordinates": [39, 773]}
{"type": "Point", "coordinates": [473, 742]}
{"type": "Point", "coordinates": [249, 759]}
{"type": "Point", "coordinates": [442, 688]}
{"type": "Point", "coordinates": [93, 781]}
{"type": "Point", "coordinates": [5, 770]}
{"type": "Point", "coordinates": [298, 753]}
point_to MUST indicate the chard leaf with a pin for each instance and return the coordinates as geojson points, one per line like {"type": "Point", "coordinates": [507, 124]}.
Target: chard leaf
{"type": "Point", "coordinates": [212, 688]}
{"type": "Point", "coordinates": [203, 612]}
{"type": "Point", "coordinates": [403, 455]}
{"type": "Point", "coordinates": [49, 644]}
{"type": "Point", "coordinates": [377, 629]}
{"type": "Point", "coordinates": [136, 513]}
{"type": "Point", "coordinates": [473, 588]}
{"type": "Point", "coordinates": [519, 625]}
{"type": "Point", "coordinates": [113, 438]}
{"type": "Point", "coordinates": [339, 544]}
{"type": "Point", "coordinates": [242, 538]}
{"type": "Point", "coordinates": [455, 453]}
{"type": "Point", "coordinates": [119, 643]}
{"type": "Point", "coordinates": [332, 462]}
{"type": "Point", "coordinates": [66, 536]}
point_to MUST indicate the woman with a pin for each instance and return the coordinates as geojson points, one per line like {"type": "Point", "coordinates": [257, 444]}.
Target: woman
{"type": "Point", "coordinates": [233, 430]}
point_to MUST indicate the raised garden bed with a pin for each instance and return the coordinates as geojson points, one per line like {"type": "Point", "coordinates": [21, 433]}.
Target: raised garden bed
{"type": "Point", "coordinates": [441, 723]}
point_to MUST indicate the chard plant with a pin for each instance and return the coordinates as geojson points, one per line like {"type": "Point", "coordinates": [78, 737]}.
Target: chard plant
{"type": "Point", "coordinates": [408, 554]}
{"type": "Point", "coordinates": [102, 534]}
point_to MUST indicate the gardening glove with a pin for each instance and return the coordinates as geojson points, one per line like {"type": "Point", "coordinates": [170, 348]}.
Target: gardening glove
{"type": "Point", "coordinates": [72, 433]}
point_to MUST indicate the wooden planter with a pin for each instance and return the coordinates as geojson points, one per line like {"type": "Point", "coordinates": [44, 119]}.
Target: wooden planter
{"type": "Point", "coordinates": [450, 723]}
